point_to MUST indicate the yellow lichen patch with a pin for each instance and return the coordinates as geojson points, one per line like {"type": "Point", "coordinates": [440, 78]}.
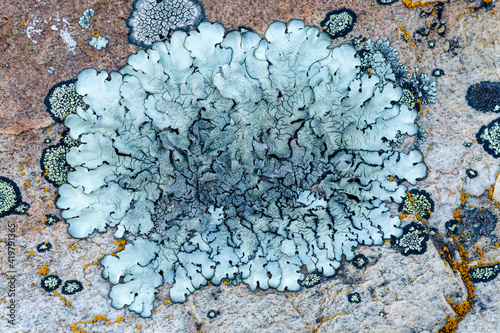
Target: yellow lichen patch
{"type": "Point", "coordinates": [408, 39]}
{"type": "Point", "coordinates": [44, 270]}
{"type": "Point", "coordinates": [73, 247]}
{"type": "Point", "coordinates": [68, 303]}
{"type": "Point", "coordinates": [31, 252]}
{"type": "Point", "coordinates": [463, 308]}
{"type": "Point", "coordinates": [325, 319]}
{"type": "Point", "coordinates": [465, 13]}
{"type": "Point", "coordinates": [463, 196]}
{"type": "Point", "coordinates": [411, 4]}
{"type": "Point", "coordinates": [120, 247]}
{"type": "Point", "coordinates": [76, 329]}
{"type": "Point", "coordinates": [95, 262]}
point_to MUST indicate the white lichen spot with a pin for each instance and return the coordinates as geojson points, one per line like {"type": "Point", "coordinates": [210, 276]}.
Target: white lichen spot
{"type": "Point", "coordinates": [99, 42]}
{"type": "Point", "coordinates": [68, 40]}
{"type": "Point", "coordinates": [32, 29]}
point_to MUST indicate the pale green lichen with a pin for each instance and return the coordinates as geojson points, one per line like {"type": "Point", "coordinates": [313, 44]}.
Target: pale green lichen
{"type": "Point", "coordinates": [413, 241]}
{"type": "Point", "coordinates": [62, 100]}
{"type": "Point", "coordinates": [338, 23]}
{"type": "Point", "coordinates": [53, 161]}
{"type": "Point", "coordinates": [71, 287]}
{"type": "Point", "coordinates": [418, 203]}
{"type": "Point", "coordinates": [489, 137]}
{"type": "Point", "coordinates": [51, 282]}
{"type": "Point", "coordinates": [484, 273]}
{"type": "Point", "coordinates": [10, 198]}
{"type": "Point", "coordinates": [311, 280]}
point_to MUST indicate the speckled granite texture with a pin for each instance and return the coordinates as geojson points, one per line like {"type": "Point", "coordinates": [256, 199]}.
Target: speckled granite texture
{"type": "Point", "coordinates": [41, 44]}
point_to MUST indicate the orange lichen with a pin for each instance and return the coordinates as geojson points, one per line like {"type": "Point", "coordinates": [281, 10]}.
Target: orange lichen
{"type": "Point", "coordinates": [463, 308]}
{"type": "Point", "coordinates": [76, 329]}
{"type": "Point", "coordinates": [463, 268]}
{"type": "Point", "coordinates": [408, 38]}
{"type": "Point", "coordinates": [463, 196]}
{"type": "Point", "coordinates": [411, 4]}
{"type": "Point", "coordinates": [44, 270]}
{"type": "Point", "coordinates": [67, 302]}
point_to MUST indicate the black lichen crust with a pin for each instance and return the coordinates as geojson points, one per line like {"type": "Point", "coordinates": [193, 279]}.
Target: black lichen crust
{"type": "Point", "coordinates": [386, 2]}
{"type": "Point", "coordinates": [419, 203]}
{"type": "Point", "coordinates": [243, 28]}
{"type": "Point", "coordinates": [11, 201]}
{"type": "Point", "coordinates": [437, 72]}
{"type": "Point", "coordinates": [484, 273]}
{"type": "Point", "coordinates": [489, 137]}
{"type": "Point", "coordinates": [474, 224]}
{"type": "Point", "coordinates": [50, 220]}
{"type": "Point", "coordinates": [43, 247]}
{"type": "Point", "coordinates": [451, 226]}
{"type": "Point", "coordinates": [62, 99]}
{"type": "Point", "coordinates": [51, 283]}
{"type": "Point", "coordinates": [413, 241]}
{"type": "Point", "coordinates": [436, 23]}
{"type": "Point", "coordinates": [71, 287]}
{"type": "Point", "coordinates": [339, 22]}
{"type": "Point", "coordinates": [212, 314]}
{"type": "Point", "coordinates": [354, 298]}
{"type": "Point", "coordinates": [484, 96]}
{"type": "Point", "coordinates": [360, 261]}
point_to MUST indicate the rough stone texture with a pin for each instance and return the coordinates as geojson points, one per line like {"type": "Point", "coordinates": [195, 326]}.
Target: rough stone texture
{"type": "Point", "coordinates": [416, 303]}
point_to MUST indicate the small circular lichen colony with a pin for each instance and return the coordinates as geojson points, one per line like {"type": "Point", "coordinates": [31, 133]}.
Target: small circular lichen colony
{"type": "Point", "coordinates": [62, 100]}
{"type": "Point", "coordinates": [338, 23]}
{"type": "Point", "coordinates": [225, 156]}
{"type": "Point", "coordinates": [489, 137]}
{"type": "Point", "coordinates": [10, 198]}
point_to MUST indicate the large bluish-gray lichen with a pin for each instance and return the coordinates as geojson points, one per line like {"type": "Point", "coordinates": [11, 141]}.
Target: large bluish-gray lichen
{"type": "Point", "coordinates": [226, 156]}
